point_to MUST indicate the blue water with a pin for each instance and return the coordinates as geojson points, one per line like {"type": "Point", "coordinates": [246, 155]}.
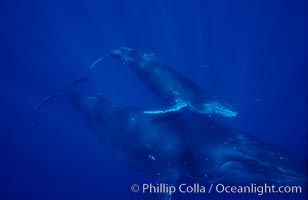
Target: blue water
{"type": "Point", "coordinates": [251, 54]}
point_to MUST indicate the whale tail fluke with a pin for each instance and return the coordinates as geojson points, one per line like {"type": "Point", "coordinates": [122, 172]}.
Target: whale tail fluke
{"type": "Point", "coordinates": [61, 93]}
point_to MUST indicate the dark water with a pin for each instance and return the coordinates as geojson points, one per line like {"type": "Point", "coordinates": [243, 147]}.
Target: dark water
{"type": "Point", "coordinates": [252, 55]}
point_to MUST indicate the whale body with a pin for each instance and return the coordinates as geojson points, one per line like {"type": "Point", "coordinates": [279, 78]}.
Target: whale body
{"type": "Point", "coordinates": [186, 146]}
{"type": "Point", "coordinates": [169, 84]}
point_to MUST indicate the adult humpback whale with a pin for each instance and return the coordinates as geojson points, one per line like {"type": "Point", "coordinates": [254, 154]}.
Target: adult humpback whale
{"type": "Point", "coordinates": [161, 146]}
{"type": "Point", "coordinates": [169, 84]}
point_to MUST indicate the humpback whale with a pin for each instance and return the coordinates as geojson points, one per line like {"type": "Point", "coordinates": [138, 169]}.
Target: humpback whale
{"type": "Point", "coordinates": [169, 84]}
{"type": "Point", "coordinates": [160, 145]}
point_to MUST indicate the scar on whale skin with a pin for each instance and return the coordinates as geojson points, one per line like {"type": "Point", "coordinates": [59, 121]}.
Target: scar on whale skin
{"type": "Point", "coordinates": [169, 84]}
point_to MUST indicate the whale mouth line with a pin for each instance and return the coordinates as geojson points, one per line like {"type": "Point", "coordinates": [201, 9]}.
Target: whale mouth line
{"type": "Point", "coordinates": [98, 60]}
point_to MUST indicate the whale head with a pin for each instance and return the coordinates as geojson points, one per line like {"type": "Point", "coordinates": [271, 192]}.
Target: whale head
{"type": "Point", "coordinates": [132, 57]}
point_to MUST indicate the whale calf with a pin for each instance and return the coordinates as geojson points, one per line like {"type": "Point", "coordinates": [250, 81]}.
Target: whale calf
{"type": "Point", "coordinates": [169, 84]}
{"type": "Point", "coordinates": [160, 145]}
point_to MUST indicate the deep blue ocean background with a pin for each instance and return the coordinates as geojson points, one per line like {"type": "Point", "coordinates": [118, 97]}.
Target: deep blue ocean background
{"type": "Point", "coordinates": [251, 54]}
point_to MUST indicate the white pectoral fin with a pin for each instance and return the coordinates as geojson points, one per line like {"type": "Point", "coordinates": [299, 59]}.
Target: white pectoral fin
{"type": "Point", "coordinates": [178, 106]}
{"type": "Point", "coordinates": [218, 109]}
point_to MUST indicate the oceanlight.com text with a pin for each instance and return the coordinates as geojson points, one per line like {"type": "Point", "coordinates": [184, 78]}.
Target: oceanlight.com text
{"type": "Point", "coordinates": [197, 188]}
